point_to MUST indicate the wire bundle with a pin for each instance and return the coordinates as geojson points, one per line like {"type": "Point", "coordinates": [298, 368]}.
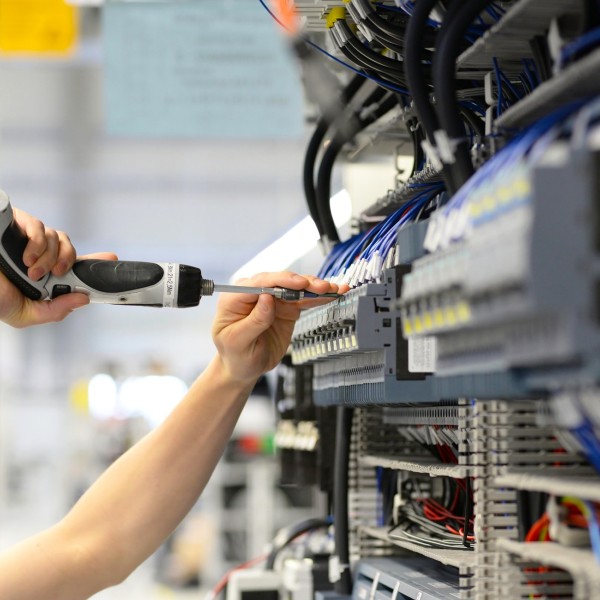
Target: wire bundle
{"type": "Point", "coordinates": [458, 216]}
{"type": "Point", "coordinates": [436, 523]}
{"type": "Point", "coordinates": [364, 257]}
{"type": "Point", "coordinates": [573, 514]}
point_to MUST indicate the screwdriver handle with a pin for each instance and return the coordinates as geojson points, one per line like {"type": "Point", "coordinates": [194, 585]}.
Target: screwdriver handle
{"type": "Point", "coordinates": [121, 282]}
{"type": "Point", "coordinates": [13, 242]}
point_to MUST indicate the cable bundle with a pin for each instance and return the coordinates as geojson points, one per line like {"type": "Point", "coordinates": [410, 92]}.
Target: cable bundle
{"type": "Point", "coordinates": [364, 257]}
{"type": "Point", "coordinates": [507, 170]}
{"type": "Point", "coordinates": [435, 523]}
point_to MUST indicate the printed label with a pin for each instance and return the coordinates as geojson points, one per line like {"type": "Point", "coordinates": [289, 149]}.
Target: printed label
{"type": "Point", "coordinates": [422, 355]}
{"type": "Point", "coordinates": [171, 286]}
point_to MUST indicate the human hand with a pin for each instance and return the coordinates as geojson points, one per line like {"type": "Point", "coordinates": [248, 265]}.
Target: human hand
{"type": "Point", "coordinates": [48, 251]}
{"type": "Point", "coordinates": [252, 333]}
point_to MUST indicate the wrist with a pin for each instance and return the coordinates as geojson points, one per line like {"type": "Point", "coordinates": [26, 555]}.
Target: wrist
{"type": "Point", "coordinates": [220, 372]}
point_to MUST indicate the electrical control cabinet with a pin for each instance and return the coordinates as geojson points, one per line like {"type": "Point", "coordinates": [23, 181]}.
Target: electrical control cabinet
{"type": "Point", "coordinates": [467, 350]}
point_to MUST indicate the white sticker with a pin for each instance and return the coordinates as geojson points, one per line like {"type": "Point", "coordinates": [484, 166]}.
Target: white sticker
{"type": "Point", "coordinates": [171, 285]}
{"type": "Point", "coordinates": [422, 355]}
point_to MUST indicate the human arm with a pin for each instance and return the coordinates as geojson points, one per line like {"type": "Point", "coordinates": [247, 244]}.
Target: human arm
{"type": "Point", "coordinates": [144, 495]}
{"type": "Point", "coordinates": [47, 251]}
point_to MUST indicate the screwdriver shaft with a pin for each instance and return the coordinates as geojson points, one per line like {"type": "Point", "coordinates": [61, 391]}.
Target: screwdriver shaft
{"type": "Point", "coordinates": [278, 292]}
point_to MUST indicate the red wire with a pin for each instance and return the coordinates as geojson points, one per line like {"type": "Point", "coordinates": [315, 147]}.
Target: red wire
{"type": "Point", "coordinates": [220, 586]}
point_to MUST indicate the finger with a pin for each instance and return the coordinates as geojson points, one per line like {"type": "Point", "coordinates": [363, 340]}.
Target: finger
{"type": "Point", "coordinates": [321, 286]}
{"type": "Point", "coordinates": [66, 254]}
{"type": "Point", "coordinates": [55, 310]}
{"type": "Point", "coordinates": [280, 279]}
{"type": "Point", "coordinates": [46, 262]}
{"type": "Point", "coordinates": [36, 232]}
{"type": "Point", "coordinates": [258, 321]}
{"type": "Point", "coordinates": [99, 256]}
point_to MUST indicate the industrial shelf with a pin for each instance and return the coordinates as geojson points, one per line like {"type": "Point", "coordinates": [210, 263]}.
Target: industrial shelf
{"type": "Point", "coordinates": [561, 482]}
{"type": "Point", "coordinates": [578, 81]}
{"type": "Point", "coordinates": [455, 558]}
{"type": "Point", "coordinates": [577, 561]}
{"type": "Point", "coordinates": [416, 465]}
{"type": "Point", "coordinates": [508, 40]}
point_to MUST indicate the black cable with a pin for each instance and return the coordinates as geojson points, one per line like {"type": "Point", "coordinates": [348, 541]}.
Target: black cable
{"type": "Point", "coordinates": [289, 534]}
{"type": "Point", "coordinates": [340, 498]}
{"type": "Point", "coordinates": [378, 60]}
{"type": "Point", "coordinates": [384, 38]}
{"type": "Point", "coordinates": [392, 29]}
{"type": "Point", "coordinates": [414, 72]}
{"type": "Point", "coordinates": [447, 48]}
{"type": "Point", "coordinates": [308, 179]}
{"type": "Point", "coordinates": [356, 55]}
{"type": "Point", "coordinates": [413, 57]}
{"type": "Point", "coordinates": [416, 133]}
{"type": "Point", "coordinates": [312, 151]}
{"type": "Point", "coordinates": [473, 121]}
{"type": "Point", "coordinates": [352, 127]}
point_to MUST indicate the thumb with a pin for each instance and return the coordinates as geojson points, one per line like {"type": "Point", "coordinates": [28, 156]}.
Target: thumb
{"type": "Point", "coordinates": [258, 321]}
{"type": "Point", "coordinates": [57, 309]}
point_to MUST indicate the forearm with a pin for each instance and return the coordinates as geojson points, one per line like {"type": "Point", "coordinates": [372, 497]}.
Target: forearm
{"type": "Point", "coordinates": [142, 497]}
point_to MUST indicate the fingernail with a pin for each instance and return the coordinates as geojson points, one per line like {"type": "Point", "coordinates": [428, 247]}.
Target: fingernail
{"type": "Point", "coordinates": [37, 273]}
{"type": "Point", "coordinates": [61, 266]}
{"type": "Point", "coordinates": [30, 260]}
{"type": "Point", "coordinates": [298, 278]}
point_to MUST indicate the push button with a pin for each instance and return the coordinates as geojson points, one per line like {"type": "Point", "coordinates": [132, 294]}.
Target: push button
{"type": "Point", "coordinates": [60, 289]}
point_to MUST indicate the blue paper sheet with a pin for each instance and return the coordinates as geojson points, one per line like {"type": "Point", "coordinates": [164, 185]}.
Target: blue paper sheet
{"type": "Point", "coordinates": [198, 68]}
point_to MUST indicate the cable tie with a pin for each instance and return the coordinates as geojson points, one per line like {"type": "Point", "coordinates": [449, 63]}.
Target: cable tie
{"type": "Point", "coordinates": [368, 111]}
{"type": "Point", "coordinates": [432, 155]}
{"type": "Point", "coordinates": [446, 147]}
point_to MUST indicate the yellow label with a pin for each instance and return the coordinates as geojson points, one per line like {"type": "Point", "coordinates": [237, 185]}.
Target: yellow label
{"type": "Point", "coordinates": [37, 27]}
{"type": "Point", "coordinates": [427, 321]}
{"type": "Point", "coordinates": [438, 318]}
{"type": "Point", "coordinates": [463, 310]}
{"type": "Point", "coordinates": [418, 324]}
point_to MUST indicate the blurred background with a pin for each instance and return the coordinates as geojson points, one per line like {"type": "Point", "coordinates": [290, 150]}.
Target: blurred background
{"type": "Point", "coordinates": [125, 125]}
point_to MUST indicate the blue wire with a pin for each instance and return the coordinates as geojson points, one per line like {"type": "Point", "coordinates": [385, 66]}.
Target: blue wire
{"type": "Point", "coordinates": [594, 529]}
{"type": "Point", "coordinates": [499, 86]}
{"type": "Point", "coordinates": [589, 442]}
{"type": "Point", "coordinates": [473, 106]}
{"type": "Point", "coordinates": [381, 82]}
{"type": "Point", "coordinates": [509, 85]}
{"type": "Point", "coordinates": [581, 43]}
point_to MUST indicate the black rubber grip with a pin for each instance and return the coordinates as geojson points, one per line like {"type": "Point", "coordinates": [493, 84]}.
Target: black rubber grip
{"type": "Point", "coordinates": [116, 276]}
{"type": "Point", "coordinates": [190, 286]}
{"type": "Point", "coordinates": [14, 240]}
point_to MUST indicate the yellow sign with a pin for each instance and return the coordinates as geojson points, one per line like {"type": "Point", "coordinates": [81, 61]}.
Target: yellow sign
{"type": "Point", "coordinates": [37, 27]}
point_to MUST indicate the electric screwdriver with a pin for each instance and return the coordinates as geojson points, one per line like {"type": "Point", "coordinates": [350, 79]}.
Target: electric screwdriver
{"type": "Point", "coordinates": [130, 283]}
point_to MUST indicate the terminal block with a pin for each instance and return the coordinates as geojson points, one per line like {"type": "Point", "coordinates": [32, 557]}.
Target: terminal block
{"type": "Point", "coordinates": [356, 347]}
{"type": "Point", "coordinates": [520, 288]}
{"type": "Point", "coordinates": [364, 320]}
